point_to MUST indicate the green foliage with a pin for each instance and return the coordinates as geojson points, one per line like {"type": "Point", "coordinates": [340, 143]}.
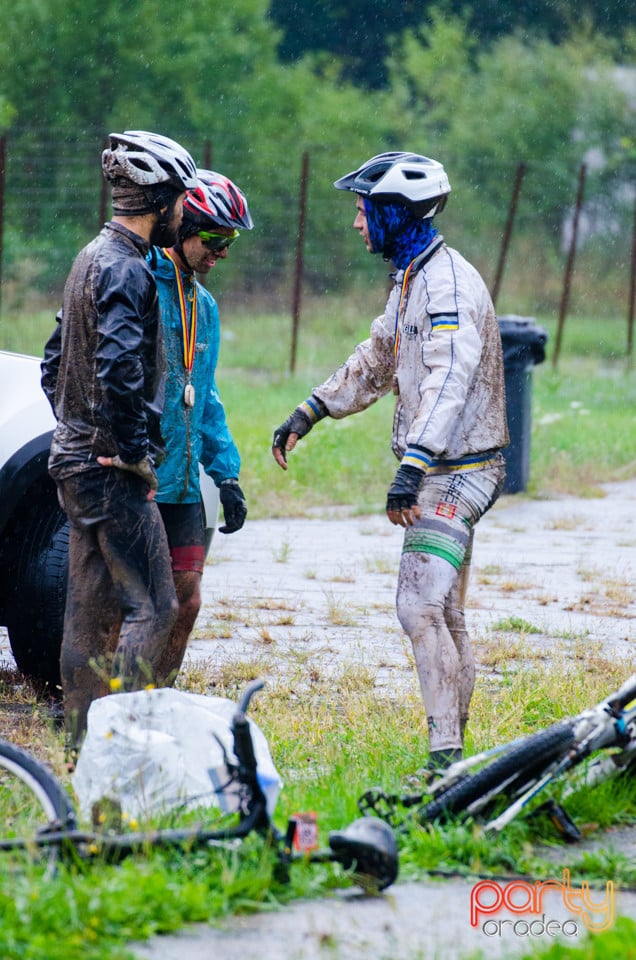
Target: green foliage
{"type": "Point", "coordinates": [523, 100]}
{"type": "Point", "coordinates": [358, 33]}
{"type": "Point", "coordinates": [615, 942]}
{"type": "Point", "coordinates": [74, 73]}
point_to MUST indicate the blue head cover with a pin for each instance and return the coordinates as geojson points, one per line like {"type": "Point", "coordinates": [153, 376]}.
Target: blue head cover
{"type": "Point", "coordinates": [396, 233]}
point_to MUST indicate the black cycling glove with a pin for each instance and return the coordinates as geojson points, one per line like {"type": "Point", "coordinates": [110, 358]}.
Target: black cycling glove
{"type": "Point", "coordinates": [234, 505]}
{"type": "Point", "coordinates": [403, 491]}
{"type": "Point", "coordinates": [301, 421]}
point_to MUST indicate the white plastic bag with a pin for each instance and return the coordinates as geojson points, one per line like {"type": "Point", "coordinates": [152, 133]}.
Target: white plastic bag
{"type": "Point", "coordinates": [154, 750]}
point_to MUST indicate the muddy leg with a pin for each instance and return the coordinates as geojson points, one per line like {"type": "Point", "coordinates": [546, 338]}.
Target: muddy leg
{"type": "Point", "coordinates": [424, 584]}
{"type": "Point", "coordinates": [456, 622]}
{"type": "Point", "coordinates": [188, 586]}
{"type": "Point", "coordinates": [135, 549]}
{"type": "Point", "coordinates": [91, 608]}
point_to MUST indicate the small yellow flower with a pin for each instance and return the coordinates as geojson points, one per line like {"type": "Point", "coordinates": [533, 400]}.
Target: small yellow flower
{"type": "Point", "coordinates": [115, 684]}
{"type": "Point", "coordinates": [149, 686]}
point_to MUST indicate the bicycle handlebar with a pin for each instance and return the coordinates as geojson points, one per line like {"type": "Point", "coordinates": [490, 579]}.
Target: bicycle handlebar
{"type": "Point", "coordinates": [247, 695]}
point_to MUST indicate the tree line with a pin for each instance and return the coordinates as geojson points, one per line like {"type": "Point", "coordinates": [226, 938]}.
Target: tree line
{"type": "Point", "coordinates": [360, 32]}
{"type": "Point", "coordinates": [209, 74]}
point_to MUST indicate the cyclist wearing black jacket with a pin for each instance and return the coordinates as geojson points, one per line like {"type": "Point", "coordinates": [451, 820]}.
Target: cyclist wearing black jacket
{"type": "Point", "coordinates": [103, 375]}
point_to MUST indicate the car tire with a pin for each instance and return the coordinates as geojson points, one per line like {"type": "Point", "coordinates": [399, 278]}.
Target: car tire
{"type": "Point", "coordinates": [37, 595]}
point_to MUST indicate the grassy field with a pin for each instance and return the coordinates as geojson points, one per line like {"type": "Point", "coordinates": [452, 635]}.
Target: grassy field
{"type": "Point", "coordinates": [327, 751]}
{"type": "Point", "coordinates": [582, 425]}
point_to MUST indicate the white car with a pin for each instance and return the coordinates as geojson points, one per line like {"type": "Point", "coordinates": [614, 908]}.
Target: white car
{"type": "Point", "coordinates": [33, 528]}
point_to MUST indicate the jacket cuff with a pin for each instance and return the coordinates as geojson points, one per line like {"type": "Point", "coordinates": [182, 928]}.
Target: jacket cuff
{"type": "Point", "coordinates": [313, 408]}
{"type": "Point", "coordinates": [419, 457]}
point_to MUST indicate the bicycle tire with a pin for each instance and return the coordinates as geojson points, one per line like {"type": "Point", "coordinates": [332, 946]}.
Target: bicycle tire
{"type": "Point", "coordinates": [32, 801]}
{"type": "Point", "coordinates": [512, 771]}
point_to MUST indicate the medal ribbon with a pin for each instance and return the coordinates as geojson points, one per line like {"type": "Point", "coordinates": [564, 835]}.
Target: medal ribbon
{"type": "Point", "coordinates": [396, 335]}
{"type": "Point", "coordinates": [189, 333]}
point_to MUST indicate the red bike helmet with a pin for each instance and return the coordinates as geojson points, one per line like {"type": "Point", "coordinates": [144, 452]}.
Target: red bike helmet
{"type": "Point", "coordinates": [215, 201]}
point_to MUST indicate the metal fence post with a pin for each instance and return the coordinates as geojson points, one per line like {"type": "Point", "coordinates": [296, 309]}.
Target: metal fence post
{"type": "Point", "coordinates": [521, 170]}
{"type": "Point", "coordinates": [632, 294]}
{"type": "Point", "coordinates": [567, 279]}
{"type": "Point", "coordinates": [298, 273]}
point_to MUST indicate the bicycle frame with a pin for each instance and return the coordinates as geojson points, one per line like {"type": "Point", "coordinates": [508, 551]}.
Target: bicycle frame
{"type": "Point", "coordinates": [611, 723]}
{"type": "Point", "coordinates": [608, 724]}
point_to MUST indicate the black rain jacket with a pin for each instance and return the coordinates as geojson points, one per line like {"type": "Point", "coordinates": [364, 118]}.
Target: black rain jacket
{"type": "Point", "coordinates": [104, 365]}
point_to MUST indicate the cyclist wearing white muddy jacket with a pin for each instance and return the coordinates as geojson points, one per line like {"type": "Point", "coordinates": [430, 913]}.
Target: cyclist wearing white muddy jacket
{"type": "Point", "coordinates": [438, 347]}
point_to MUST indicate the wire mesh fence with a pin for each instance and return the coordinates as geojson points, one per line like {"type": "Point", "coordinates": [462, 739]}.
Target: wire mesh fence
{"type": "Point", "coordinates": [53, 200]}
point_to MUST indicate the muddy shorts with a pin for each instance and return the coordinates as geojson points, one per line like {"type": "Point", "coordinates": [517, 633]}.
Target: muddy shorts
{"type": "Point", "coordinates": [186, 535]}
{"type": "Point", "coordinates": [450, 506]}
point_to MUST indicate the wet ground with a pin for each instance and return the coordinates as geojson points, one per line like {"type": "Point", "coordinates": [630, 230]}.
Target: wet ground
{"type": "Point", "coordinates": [287, 592]}
{"type": "Point", "coordinates": [319, 593]}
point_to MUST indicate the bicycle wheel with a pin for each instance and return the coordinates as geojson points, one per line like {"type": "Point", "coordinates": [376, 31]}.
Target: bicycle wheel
{"type": "Point", "coordinates": [507, 775]}
{"type": "Point", "coordinates": [31, 802]}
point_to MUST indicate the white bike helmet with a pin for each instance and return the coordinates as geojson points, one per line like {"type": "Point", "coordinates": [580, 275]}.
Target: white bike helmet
{"type": "Point", "coordinates": [148, 159]}
{"type": "Point", "coordinates": [418, 182]}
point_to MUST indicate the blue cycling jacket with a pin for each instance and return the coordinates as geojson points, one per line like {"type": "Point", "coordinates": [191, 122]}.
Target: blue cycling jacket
{"type": "Point", "coordinates": [199, 434]}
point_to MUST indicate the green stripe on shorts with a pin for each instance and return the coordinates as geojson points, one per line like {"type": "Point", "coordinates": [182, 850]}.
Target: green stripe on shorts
{"type": "Point", "coordinates": [428, 541]}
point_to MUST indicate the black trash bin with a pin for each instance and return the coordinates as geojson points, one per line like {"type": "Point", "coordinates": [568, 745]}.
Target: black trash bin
{"type": "Point", "coordinates": [523, 345]}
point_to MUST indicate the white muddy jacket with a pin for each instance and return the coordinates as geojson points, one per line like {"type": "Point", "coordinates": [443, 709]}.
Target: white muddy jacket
{"type": "Point", "coordinates": [438, 347]}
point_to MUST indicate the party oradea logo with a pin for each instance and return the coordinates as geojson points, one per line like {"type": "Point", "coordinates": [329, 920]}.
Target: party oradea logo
{"type": "Point", "coordinates": [522, 908]}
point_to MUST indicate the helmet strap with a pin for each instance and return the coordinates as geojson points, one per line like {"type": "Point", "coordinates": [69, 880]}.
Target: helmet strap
{"type": "Point", "coordinates": [178, 247]}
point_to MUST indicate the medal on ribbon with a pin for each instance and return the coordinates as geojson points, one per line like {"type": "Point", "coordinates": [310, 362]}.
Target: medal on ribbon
{"type": "Point", "coordinates": [189, 331]}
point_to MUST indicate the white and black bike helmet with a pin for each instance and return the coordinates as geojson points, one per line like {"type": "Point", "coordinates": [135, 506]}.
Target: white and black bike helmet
{"type": "Point", "coordinates": [148, 159]}
{"type": "Point", "coordinates": [421, 184]}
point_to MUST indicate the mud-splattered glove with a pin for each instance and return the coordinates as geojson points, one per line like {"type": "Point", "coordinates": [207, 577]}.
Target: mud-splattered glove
{"type": "Point", "coordinates": [234, 505]}
{"type": "Point", "coordinates": [301, 421]}
{"type": "Point", "coordinates": [403, 491]}
{"type": "Point", "coordinates": [143, 469]}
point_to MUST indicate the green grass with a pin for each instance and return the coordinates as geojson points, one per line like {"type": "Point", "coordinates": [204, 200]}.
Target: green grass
{"type": "Point", "coordinates": [327, 750]}
{"type": "Point", "coordinates": [328, 754]}
{"type": "Point", "coordinates": [582, 424]}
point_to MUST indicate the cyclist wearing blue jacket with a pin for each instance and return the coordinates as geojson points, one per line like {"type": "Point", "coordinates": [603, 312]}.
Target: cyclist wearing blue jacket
{"type": "Point", "coordinates": [193, 423]}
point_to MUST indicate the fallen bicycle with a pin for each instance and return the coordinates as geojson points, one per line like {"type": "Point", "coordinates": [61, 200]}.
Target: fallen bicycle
{"type": "Point", "coordinates": [40, 819]}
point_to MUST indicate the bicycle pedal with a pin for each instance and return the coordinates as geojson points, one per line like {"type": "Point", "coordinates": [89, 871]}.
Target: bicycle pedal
{"type": "Point", "coordinates": [561, 820]}
{"type": "Point", "coordinates": [424, 775]}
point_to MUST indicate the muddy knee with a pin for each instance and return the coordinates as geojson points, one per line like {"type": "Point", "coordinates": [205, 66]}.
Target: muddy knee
{"type": "Point", "coordinates": [424, 583]}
